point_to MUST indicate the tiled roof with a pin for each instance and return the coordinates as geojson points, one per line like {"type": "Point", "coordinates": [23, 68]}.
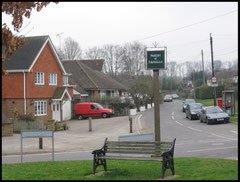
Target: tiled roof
{"type": "Point", "coordinates": [58, 92]}
{"type": "Point", "coordinates": [88, 79]}
{"type": "Point", "coordinates": [23, 57]}
{"type": "Point", "coordinates": [95, 64]}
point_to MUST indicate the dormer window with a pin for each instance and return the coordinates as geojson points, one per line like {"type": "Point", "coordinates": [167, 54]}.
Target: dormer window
{"type": "Point", "coordinates": [39, 78]}
{"type": "Point", "coordinates": [65, 80]}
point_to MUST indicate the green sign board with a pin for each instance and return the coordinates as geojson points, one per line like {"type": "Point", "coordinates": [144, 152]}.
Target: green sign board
{"type": "Point", "coordinates": [155, 59]}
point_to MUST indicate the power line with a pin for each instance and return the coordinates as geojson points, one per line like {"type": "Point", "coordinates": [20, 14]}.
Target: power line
{"type": "Point", "coordinates": [188, 25]}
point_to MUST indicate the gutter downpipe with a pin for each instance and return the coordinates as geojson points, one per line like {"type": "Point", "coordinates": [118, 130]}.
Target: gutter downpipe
{"type": "Point", "coordinates": [24, 93]}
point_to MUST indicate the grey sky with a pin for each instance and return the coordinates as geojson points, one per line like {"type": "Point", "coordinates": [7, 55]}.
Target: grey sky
{"type": "Point", "coordinates": [94, 24]}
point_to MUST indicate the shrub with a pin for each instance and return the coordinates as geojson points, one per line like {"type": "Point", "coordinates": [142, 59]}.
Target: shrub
{"type": "Point", "coordinates": [26, 117]}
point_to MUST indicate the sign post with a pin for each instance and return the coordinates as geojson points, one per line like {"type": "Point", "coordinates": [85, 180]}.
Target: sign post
{"type": "Point", "coordinates": [156, 61]}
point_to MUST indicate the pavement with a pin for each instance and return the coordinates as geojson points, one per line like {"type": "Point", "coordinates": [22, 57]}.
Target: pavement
{"type": "Point", "coordinates": [77, 138]}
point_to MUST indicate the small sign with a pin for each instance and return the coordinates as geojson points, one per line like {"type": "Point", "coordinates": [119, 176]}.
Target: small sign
{"type": "Point", "coordinates": [214, 84]}
{"type": "Point", "coordinates": [36, 134]}
{"type": "Point", "coordinates": [214, 79]}
{"type": "Point", "coordinates": [156, 58]}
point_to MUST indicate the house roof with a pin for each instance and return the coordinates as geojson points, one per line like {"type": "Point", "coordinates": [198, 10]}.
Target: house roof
{"type": "Point", "coordinates": [59, 92]}
{"type": "Point", "coordinates": [86, 78]}
{"type": "Point", "coordinates": [95, 64]}
{"type": "Point", "coordinates": [27, 54]}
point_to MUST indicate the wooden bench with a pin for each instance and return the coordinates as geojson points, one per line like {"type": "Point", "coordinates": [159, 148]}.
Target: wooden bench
{"type": "Point", "coordinates": [129, 150]}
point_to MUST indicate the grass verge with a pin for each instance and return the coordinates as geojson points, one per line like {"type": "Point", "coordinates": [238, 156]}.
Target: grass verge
{"type": "Point", "coordinates": [186, 168]}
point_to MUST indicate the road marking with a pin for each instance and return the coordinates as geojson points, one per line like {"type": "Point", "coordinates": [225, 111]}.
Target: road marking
{"type": "Point", "coordinates": [234, 132]}
{"type": "Point", "coordinates": [179, 123]}
{"type": "Point", "coordinates": [222, 137]}
{"type": "Point", "coordinates": [194, 129]}
{"type": "Point", "coordinates": [211, 149]}
{"type": "Point", "coordinates": [218, 144]}
{"type": "Point", "coordinates": [172, 118]}
{"type": "Point", "coordinates": [139, 122]}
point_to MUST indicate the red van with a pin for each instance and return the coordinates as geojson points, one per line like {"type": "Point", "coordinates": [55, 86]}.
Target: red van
{"type": "Point", "coordinates": [84, 110]}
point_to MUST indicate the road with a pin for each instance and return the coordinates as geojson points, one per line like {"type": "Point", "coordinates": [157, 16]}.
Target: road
{"type": "Point", "coordinates": [194, 139]}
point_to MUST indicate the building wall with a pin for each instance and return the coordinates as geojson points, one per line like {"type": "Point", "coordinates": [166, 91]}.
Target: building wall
{"type": "Point", "coordinates": [46, 63]}
{"type": "Point", "coordinates": [8, 105]}
{"type": "Point", "coordinates": [12, 85]}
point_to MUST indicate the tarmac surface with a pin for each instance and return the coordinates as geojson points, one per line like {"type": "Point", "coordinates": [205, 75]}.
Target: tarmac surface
{"type": "Point", "coordinates": [77, 138]}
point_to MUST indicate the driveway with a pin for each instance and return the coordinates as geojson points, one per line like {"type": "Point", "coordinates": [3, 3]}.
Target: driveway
{"type": "Point", "coordinates": [77, 138]}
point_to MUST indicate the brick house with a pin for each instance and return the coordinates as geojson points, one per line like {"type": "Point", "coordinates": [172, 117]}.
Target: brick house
{"type": "Point", "coordinates": [90, 80]}
{"type": "Point", "coordinates": [37, 82]}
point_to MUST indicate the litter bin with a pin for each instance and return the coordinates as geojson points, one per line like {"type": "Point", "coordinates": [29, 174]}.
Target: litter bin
{"type": "Point", "coordinates": [220, 103]}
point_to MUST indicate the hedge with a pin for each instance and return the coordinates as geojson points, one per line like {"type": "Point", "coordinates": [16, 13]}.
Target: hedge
{"type": "Point", "coordinates": [206, 92]}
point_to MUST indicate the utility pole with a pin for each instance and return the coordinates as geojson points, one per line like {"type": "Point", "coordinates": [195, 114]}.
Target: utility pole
{"type": "Point", "coordinates": [214, 88]}
{"type": "Point", "coordinates": [203, 68]}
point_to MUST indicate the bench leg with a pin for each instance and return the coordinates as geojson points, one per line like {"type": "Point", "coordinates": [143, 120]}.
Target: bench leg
{"type": "Point", "coordinates": [104, 162]}
{"type": "Point", "coordinates": [172, 167]}
{"type": "Point", "coordinates": [98, 162]}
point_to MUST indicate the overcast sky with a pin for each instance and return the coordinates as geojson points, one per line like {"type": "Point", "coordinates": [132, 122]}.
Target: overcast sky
{"type": "Point", "coordinates": [184, 27]}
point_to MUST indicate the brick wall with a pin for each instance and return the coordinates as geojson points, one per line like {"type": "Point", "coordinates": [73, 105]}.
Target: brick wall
{"type": "Point", "coordinates": [7, 129]}
{"type": "Point", "coordinates": [46, 63]}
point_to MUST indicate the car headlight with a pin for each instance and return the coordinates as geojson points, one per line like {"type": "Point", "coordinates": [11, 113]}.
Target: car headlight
{"type": "Point", "coordinates": [193, 113]}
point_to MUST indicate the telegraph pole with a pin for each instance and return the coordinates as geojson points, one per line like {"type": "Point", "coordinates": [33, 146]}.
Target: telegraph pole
{"type": "Point", "coordinates": [203, 68]}
{"type": "Point", "coordinates": [214, 88]}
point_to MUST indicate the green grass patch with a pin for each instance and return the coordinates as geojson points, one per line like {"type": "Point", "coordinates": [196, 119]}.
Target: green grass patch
{"type": "Point", "coordinates": [186, 168]}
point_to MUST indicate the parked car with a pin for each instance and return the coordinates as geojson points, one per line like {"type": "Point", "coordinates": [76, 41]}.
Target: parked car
{"type": "Point", "coordinates": [85, 110]}
{"type": "Point", "coordinates": [213, 114]}
{"type": "Point", "coordinates": [187, 101]}
{"type": "Point", "coordinates": [192, 110]}
{"type": "Point", "coordinates": [167, 98]}
{"type": "Point", "coordinates": [175, 96]}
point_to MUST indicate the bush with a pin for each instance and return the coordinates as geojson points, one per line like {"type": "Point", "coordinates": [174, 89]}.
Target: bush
{"type": "Point", "coordinates": [26, 117]}
{"type": "Point", "coordinates": [60, 126]}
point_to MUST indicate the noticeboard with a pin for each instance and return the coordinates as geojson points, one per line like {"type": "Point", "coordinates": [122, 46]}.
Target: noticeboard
{"type": "Point", "coordinates": [156, 58]}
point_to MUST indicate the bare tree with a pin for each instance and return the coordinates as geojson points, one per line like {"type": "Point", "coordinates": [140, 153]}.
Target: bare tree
{"type": "Point", "coordinates": [94, 53]}
{"type": "Point", "coordinates": [71, 49]}
{"type": "Point", "coordinates": [113, 59]}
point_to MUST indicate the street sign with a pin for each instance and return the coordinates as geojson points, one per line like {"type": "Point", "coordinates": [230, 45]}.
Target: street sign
{"type": "Point", "coordinates": [214, 80]}
{"type": "Point", "coordinates": [156, 58]}
{"type": "Point", "coordinates": [214, 84]}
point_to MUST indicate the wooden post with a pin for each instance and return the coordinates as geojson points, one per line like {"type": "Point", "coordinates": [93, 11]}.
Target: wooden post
{"type": "Point", "coordinates": [40, 143]}
{"type": "Point", "coordinates": [130, 120]}
{"type": "Point", "coordinates": [90, 124]}
{"type": "Point", "coordinates": [156, 105]}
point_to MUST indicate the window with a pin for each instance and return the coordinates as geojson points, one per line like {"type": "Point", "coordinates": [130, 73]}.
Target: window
{"type": "Point", "coordinates": [52, 79]}
{"type": "Point", "coordinates": [39, 78]}
{"type": "Point", "coordinates": [65, 80]}
{"type": "Point", "coordinates": [40, 108]}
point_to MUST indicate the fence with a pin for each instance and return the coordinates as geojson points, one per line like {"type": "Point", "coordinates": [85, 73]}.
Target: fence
{"type": "Point", "coordinates": [19, 125]}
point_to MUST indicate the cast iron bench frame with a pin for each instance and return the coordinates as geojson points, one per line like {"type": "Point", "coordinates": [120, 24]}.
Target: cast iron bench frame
{"type": "Point", "coordinates": [157, 151]}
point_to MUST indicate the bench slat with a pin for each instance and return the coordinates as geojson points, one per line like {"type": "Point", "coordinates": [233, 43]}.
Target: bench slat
{"type": "Point", "coordinates": [131, 158]}
{"type": "Point", "coordinates": [133, 152]}
{"type": "Point", "coordinates": [137, 149]}
{"type": "Point", "coordinates": [139, 145]}
{"type": "Point", "coordinates": [131, 142]}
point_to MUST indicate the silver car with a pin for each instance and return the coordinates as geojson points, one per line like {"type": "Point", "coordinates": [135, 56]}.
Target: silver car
{"type": "Point", "coordinates": [213, 114]}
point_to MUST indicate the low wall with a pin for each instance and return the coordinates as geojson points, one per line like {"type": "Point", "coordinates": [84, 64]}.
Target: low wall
{"type": "Point", "coordinates": [7, 129]}
{"type": "Point", "coordinates": [19, 125]}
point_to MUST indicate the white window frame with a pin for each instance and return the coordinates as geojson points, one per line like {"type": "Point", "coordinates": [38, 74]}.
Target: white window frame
{"type": "Point", "coordinates": [65, 80]}
{"type": "Point", "coordinates": [39, 78]}
{"type": "Point", "coordinates": [40, 108]}
{"type": "Point", "coordinates": [52, 78]}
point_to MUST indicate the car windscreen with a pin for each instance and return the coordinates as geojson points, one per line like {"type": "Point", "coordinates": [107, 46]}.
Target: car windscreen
{"type": "Point", "coordinates": [100, 106]}
{"type": "Point", "coordinates": [168, 96]}
{"type": "Point", "coordinates": [195, 106]}
{"type": "Point", "coordinates": [211, 110]}
{"type": "Point", "coordinates": [189, 101]}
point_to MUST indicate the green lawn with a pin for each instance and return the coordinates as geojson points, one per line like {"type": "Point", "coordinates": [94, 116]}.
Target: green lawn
{"type": "Point", "coordinates": [210, 102]}
{"type": "Point", "coordinates": [185, 168]}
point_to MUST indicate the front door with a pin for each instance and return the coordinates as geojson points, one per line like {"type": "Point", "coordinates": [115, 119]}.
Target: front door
{"type": "Point", "coordinates": [56, 113]}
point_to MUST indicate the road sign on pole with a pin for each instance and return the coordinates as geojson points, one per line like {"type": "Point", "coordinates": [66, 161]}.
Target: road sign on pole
{"type": "Point", "coordinates": [156, 58]}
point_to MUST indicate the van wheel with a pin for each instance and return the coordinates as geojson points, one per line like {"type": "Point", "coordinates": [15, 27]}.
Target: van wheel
{"type": "Point", "coordinates": [80, 117]}
{"type": "Point", "coordinates": [104, 115]}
